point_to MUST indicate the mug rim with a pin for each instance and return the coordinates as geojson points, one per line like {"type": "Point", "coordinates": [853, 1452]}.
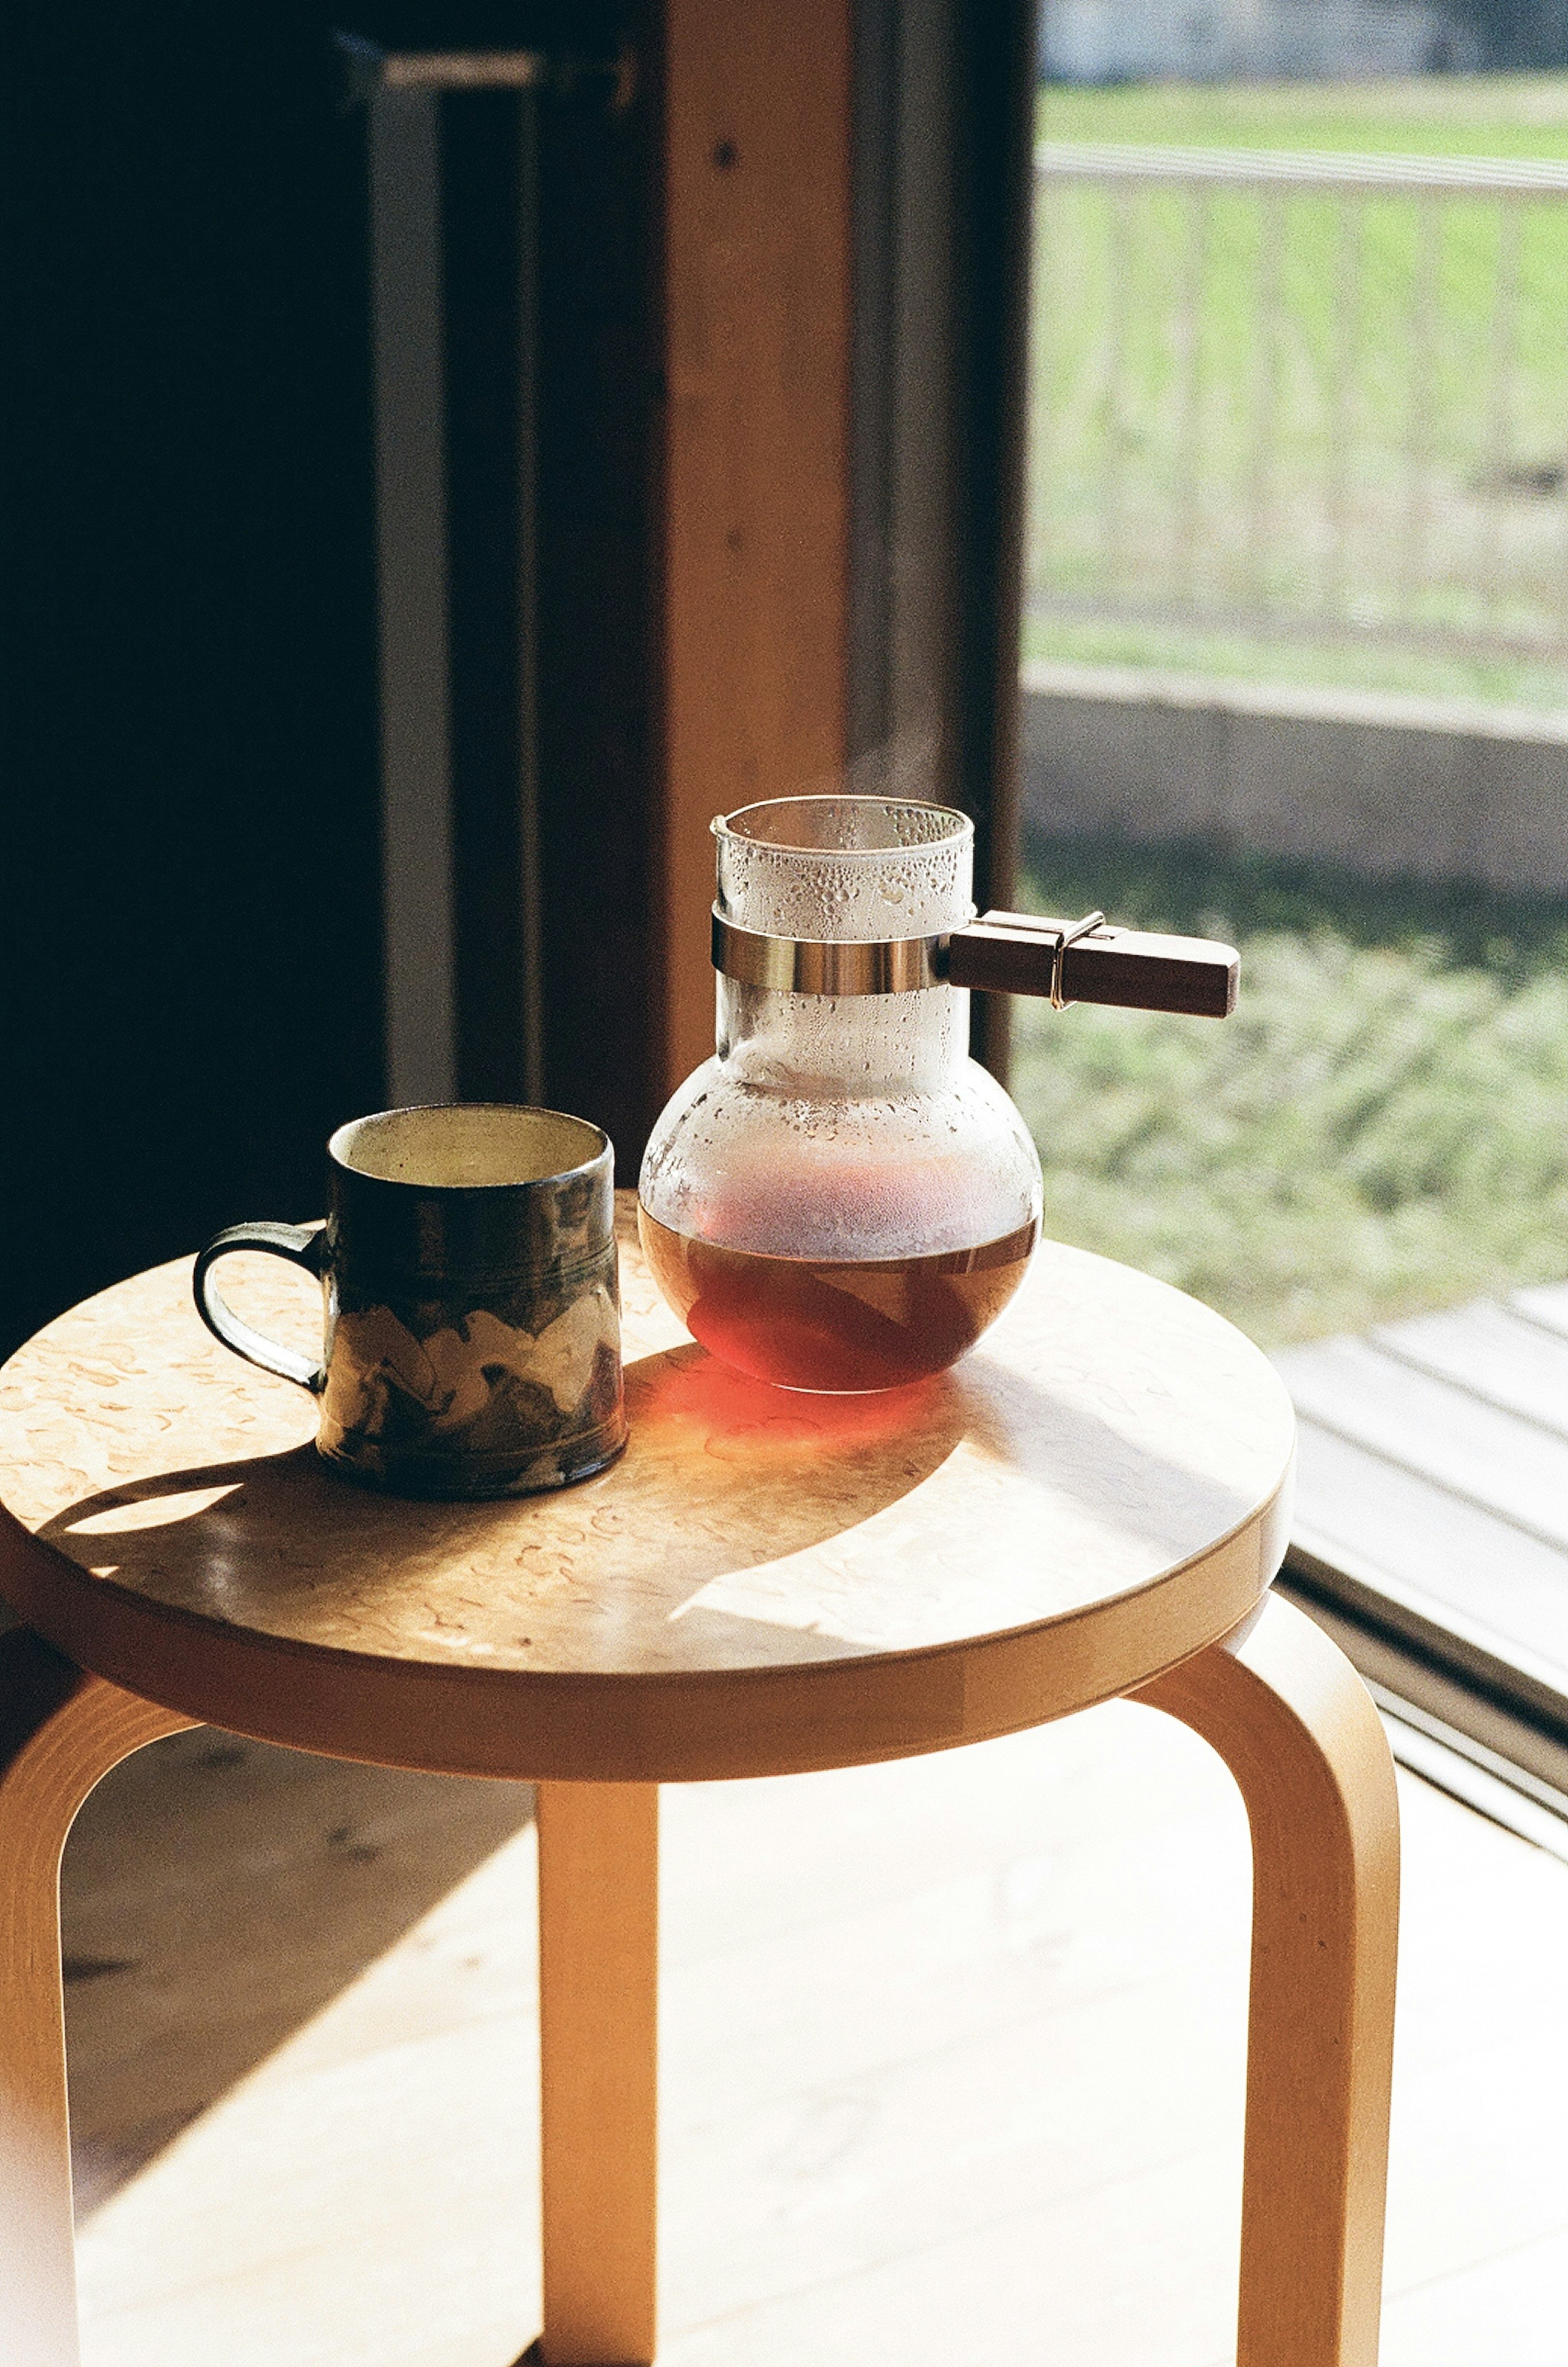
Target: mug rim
{"type": "Point", "coordinates": [458, 1191]}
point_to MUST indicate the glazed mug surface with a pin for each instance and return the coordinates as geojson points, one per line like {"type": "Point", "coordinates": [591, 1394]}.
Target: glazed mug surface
{"type": "Point", "coordinates": [467, 1263]}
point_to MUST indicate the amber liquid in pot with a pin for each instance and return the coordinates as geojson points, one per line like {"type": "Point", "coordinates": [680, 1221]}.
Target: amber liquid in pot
{"type": "Point", "coordinates": [838, 1325]}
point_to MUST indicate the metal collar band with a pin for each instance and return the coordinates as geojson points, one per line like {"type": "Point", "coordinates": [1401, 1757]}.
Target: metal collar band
{"type": "Point", "coordinates": [879, 965]}
{"type": "Point", "coordinates": [807, 965]}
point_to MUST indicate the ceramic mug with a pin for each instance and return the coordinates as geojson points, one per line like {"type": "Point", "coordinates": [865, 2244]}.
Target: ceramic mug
{"type": "Point", "coordinates": [472, 1313]}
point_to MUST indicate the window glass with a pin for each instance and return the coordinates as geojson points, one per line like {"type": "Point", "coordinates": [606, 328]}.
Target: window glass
{"type": "Point", "coordinates": [1295, 658]}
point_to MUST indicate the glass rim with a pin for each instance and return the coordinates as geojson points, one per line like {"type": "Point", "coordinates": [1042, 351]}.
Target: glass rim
{"type": "Point", "coordinates": [723, 825]}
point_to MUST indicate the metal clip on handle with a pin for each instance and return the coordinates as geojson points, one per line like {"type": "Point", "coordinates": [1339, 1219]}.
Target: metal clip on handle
{"type": "Point", "coordinates": [1090, 961]}
{"type": "Point", "coordinates": [1065, 937]}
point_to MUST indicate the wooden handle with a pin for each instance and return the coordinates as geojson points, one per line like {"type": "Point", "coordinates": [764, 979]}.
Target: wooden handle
{"type": "Point", "coordinates": [1015, 953]}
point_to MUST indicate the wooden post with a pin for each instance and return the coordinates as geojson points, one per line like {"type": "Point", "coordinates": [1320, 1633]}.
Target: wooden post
{"type": "Point", "coordinates": [599, 2048]}
{"type": "Point", "coordinates": [759, 303]}
{"type": "Point", "coordinates": [60, 1731]}
{"type": "Point", "coordinates": [1297, 1728]}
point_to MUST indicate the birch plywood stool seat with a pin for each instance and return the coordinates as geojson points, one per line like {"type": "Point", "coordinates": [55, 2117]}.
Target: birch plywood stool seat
{"type": "Point", "coordinates": [1091, 1504]}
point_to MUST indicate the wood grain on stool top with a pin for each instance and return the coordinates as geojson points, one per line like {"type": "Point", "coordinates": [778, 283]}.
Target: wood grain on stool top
{"type": "Point", "coordinates": [767, 1581]}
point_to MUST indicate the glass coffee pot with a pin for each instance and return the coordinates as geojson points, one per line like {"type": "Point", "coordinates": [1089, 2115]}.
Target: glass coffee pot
{"type": "Point", "coordinates": [842, 1200]}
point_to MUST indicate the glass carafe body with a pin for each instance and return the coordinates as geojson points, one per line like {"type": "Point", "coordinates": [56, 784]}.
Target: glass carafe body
{"type": "Point", "coordinates": [840, 1199]}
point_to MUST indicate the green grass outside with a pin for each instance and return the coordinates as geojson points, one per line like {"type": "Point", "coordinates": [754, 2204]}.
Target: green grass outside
{"type": "Point", "coordinates": [1110, 519]}
{"type": "Point", "coordinates": [1404, 671]}
{"type": "Point", "coordinates": [1434, 115]}
{"type": "Point", "coordinates": [1289, 659]}
{"type": "Point", "coordinates": [1378, 1129]}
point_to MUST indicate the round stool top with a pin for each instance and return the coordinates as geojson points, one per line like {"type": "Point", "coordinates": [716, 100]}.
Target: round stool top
{"type": "Point", "coordinates": [765, 1582]}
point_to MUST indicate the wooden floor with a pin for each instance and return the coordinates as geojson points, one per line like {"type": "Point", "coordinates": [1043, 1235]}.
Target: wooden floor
{"type": "Point", "coordinates": [1434, 1458]}
{"type": "Point", "coordinates": [952, 2068]}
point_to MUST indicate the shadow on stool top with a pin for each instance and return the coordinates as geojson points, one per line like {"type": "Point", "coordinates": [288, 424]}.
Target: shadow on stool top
{"type": "Point", "coordinates": [766, 1583]}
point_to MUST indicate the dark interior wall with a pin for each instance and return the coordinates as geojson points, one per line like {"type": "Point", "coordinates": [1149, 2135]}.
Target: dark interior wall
{"type": "Point", "coordinates": [486, 326]}
{"type": "Point", "coordinates": [994, 144]}
{"type": "Point", "coordinates": [599, 614]}
{"type": "Point", "coordinates": [189, 889]}
{"type": "Point", "coordinates": [553, 337]}
{"type": "Point", "coordinates": [188, 900]}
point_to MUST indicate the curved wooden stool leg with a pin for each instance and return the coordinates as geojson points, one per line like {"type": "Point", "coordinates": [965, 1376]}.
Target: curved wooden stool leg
{"type": "Point", "coordinates": [60, 1731]}
{"type": "Point", "coordinates": [599, 2043]}
{"type": "Point", "coordinates": [1288, 1713]}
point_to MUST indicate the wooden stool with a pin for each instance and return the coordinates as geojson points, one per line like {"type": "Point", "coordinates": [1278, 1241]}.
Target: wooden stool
{"type": "Point", "coordinates": [1092, 1505]}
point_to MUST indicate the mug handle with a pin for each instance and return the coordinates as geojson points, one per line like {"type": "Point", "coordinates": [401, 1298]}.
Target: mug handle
{"type": "Point", "coordinates": [302, 1245]}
